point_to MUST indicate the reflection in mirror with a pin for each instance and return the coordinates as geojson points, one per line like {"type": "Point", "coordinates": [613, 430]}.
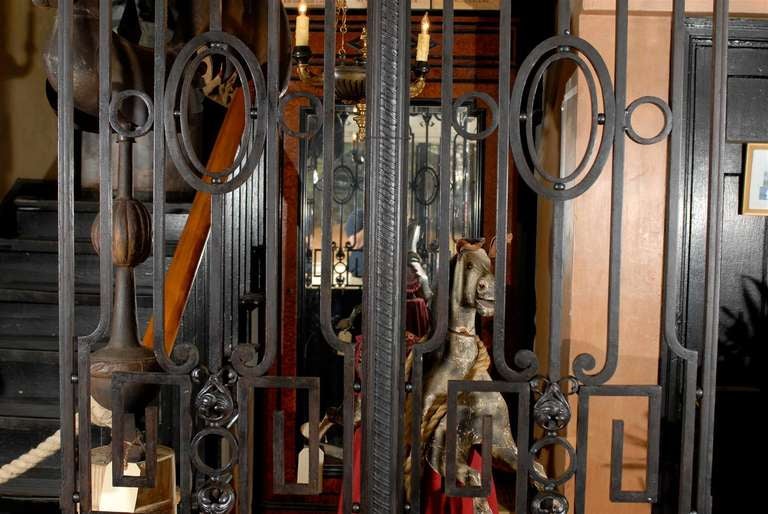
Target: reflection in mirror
{"type": "Point", "coordinates": [316, 357]}
{"type": "Point", "coordinates": [423, 186]}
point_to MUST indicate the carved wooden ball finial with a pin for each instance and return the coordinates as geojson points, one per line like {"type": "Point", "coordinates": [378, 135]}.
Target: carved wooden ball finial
{"type": "Point", "coordinates": [131, 233]}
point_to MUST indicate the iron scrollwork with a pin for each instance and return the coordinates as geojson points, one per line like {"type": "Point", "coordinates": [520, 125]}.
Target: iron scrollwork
{"type": "Point", "coordinates": [611, 123]}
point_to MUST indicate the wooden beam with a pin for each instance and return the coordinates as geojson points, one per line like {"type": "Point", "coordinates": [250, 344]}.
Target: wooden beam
{"type": "Point", "coordinates": [186, 258]}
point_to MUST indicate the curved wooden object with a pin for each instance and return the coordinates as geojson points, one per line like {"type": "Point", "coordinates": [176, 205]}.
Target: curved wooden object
{"type": "Point", "coordinates": [186, 258]}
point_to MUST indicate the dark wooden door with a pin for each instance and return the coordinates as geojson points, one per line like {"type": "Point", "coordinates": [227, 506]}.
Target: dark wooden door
{"type": "Point", "coordinates": [743, 293]}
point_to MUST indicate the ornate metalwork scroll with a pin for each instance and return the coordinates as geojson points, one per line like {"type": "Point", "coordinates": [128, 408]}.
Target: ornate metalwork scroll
{"type": "Point", "coordinates": [213, 389]}
{"type": "Point", "coordinates": [611, 123]}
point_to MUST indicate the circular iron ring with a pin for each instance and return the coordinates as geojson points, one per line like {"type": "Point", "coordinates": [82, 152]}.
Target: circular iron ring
{"type": "Point", "coordinates": [253, 146]}
{"type": "Point", "coordinates": [421, 174]}
{"type": "Point", "coordinates": [344, 170]}
{"type": "Point", "coordinates": [665, 111]}
{"type": "Point", "coordinates": [202, 466]}
{"type": "Point", "coordinates": [114, 112]}
{"type": "Point", "coordinates": [565, 475]}
{"type": "Point", "coordinates": [535, 157]}
{"type": "Point", "coordinates": [186, 137]}
{"type": "Point", "coordinates": [562, 44]}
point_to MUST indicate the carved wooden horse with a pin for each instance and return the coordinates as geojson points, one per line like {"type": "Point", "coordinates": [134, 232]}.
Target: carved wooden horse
{"type": "Point", "coordinates": [464, 358]}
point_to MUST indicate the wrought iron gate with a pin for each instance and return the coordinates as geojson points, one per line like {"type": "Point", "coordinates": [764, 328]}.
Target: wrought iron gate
{"type": "Point", "coordinates": [215, 392]}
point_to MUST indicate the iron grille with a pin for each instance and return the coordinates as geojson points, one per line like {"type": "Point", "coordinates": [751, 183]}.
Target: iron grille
{"type": "Point", "coordinates": [233, 372]}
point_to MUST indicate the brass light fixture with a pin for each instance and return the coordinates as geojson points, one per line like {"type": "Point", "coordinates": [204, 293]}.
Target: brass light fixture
{"type": "Point", "coordinates": [350, 71]}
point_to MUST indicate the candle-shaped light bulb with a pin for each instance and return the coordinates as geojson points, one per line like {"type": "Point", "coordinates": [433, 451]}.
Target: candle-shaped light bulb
{"type": "Point", "coordinates": [302, 26]}
{"type": "Point", "coordinates": [422, 48]}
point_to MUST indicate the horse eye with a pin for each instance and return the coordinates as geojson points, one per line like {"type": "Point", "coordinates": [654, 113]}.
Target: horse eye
{"type": "Point", "coordinates": [469, 266]}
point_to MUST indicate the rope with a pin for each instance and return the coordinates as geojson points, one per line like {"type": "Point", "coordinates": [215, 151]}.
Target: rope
{"type": "Point", "coordinates": [439, 408]}
{"type": "Point", "coordinates": [17, 467]}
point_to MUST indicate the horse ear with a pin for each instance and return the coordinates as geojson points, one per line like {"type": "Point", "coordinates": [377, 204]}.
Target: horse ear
{"type": "Point", "coordinates": [457, 272]}
{"type": "Point", "coordinates": [492, 247]}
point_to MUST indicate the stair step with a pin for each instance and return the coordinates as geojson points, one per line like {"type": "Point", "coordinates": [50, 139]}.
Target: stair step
{"type": "Point", "coordinates": [22, 432]}
{"type": "Point", "coordinates": [41, 344]}
{"type": "Point", "coordinates": [37, 219]}
{"type": "Point", "coordinates": [33, 265]}
{"type": "Point", "coordinates": [45, 487]}
{"type": "Point", "coordinates": [42, 319]}
{"type": "Point", "coordinates": [28, 384]}
{"type": "Point", "coordinates": [47, 408]}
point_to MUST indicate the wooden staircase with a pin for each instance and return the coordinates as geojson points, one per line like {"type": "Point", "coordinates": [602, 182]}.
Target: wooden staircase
{"type": "Point", "coordinates": [29, 383]}
{"type": "Point", "coordinates": [29, 379]}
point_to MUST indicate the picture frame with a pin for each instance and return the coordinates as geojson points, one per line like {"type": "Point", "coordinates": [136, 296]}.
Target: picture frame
{"type": "Point", "coordinates": [755, 197]}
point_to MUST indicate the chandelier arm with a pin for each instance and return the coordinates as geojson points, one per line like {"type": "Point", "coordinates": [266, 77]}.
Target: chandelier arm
{"type": "Point", "coordinates": [307, 76]}
{"type": "Point", "coordinates": [417, 87]}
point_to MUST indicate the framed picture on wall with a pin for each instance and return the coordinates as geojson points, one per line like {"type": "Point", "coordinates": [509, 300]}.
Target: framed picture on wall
{"type": "Point", "coordinates": [755, 201]}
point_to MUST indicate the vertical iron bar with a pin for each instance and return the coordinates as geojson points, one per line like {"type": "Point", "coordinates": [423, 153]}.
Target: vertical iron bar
{"type": "Point", "coordinates": [564, 16]}
{"type": "Point", "coordinates": [105, 162]}
{"type": "Point", "coordinates": [272, 191]}
{"type": "Point", "coordinates": [523, 454]}
{"type": "Point", "coordinates": [105, 176]}
{"type": "Point", "coordinates": [383, 352]}
{"type": "Point", "coordinates": [617, 202]}
{"type": "Point", "coordinates": [66, 250]}
{"type": "Point", "coordinates": [329, 129]}
{"type": "Point", "coordinates": [617, 192]}
{"type": "Point", "coordinates": [445, 223]}
{"type": "Point", "coordinates": [185, 436]}
{"type": "Point", "coordinates": [672, 254]}
{"type": "Point", "coordinates": [445, 217]}
{"type": "Point", "coordinates": [215, 15]}
{"type": "Point", "coordinates": [502, 191]}
{"type": "Point", "coordinates": [244, 459]}
{"type": "Point", "coordinates": [556, 291]}
{"type": "Point", "coordinates": [158, 182]}
{"type": "Point", "coordinates": [84, 436]}
{"type": "Point", "coordinates": [617, 198]}
{"type": "Point", "coordinates": [326, 255]}
{"type": "Point", "coordinates": [105, 256]}
{"type": "Point", "coordinates": [215, 285]}
{"type": "Point", "coordinates": [714, 239]}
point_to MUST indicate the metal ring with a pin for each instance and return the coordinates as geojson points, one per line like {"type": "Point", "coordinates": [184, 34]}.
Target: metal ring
{"type": "Point", "coordinates": [202, 466]}
{"type": "Point", "coordinates": [114, 111]}
{"type": "Point", "coordinates": [421, 173]}
{"type": "Point", "coordinates": [535, 157]}
{"type": "Point", "coordinates": [492, 106]}
{"type": "Point", "coordinates": [665, 111]}
{"type": "Point", "coordinates": [316, 105]}
{"type": "Point", "coordinates": [252, 146]}
{"type": "Point", "coordinates": [562, 44]}
{"type": "Point", "coordinates": [340, 267]}
{"type": "Point", "coordinates": [343, 169]}
{"type": "Point", "coordinates": [565, 475]}
{"type": "Point", "coordinates": [186, 85]}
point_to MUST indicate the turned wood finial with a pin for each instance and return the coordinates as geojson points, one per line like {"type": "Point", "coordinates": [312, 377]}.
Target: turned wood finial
{"type": "Point", "coordinates": [131, 245]}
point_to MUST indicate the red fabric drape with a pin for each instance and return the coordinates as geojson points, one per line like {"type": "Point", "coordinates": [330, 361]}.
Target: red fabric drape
{"type": "Point", "coordinates": [434, 501]}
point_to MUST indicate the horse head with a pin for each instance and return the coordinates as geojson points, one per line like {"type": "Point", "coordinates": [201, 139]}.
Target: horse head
{"type": "Point", "coordinates": [473, 288]}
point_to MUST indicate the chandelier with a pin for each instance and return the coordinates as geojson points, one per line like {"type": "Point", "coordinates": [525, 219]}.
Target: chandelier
{"type": "Point", "coordinates": [350, 70]}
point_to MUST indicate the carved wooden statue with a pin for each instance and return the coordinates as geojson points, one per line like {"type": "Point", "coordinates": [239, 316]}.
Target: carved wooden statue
{"type": "Point", "coordinates": [464, 357]}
